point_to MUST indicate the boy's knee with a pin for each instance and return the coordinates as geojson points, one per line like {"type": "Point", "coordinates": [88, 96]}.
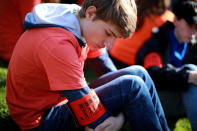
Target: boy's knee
{"type": "Point", "coordinates": [139, 68]}
{"type": "Point", "coordinates": [131, 83]}
{"type": "Point", "coordinates": [136, 70]}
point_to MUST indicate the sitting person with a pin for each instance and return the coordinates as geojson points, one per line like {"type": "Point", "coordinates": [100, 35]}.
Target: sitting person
{"type": "Point", "coordinates": [171, 59]}
{"type": "Point", "coordinates": [151, 15]}
{"type": "Point", "coordinates": [46, 88]}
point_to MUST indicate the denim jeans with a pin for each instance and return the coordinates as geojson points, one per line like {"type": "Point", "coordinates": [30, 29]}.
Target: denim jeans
{"type": "Point", "coordinates": [128, 90]}
{"type": "Point", "coordinates": [176, 103]}
{"type": "Point", "coordinates": [189, 100]}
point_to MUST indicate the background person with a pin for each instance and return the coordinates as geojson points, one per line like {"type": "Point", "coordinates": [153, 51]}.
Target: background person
{"type": "Point", "coordinates": [170, 58]}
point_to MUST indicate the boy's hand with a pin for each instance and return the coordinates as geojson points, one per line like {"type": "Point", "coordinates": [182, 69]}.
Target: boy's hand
{"type": "Point", "coordinates": [193, 77]}
{"type": "Point", "coordinates": [88, 129]}
{"type": "Point", "coordinates": [110, 124]}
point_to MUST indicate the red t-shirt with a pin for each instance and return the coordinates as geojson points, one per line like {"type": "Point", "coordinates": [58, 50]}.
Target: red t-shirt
{"type": "Point", "coordinates": [44, 62]}
{"type": "Point", "coordinates": [12, 14]}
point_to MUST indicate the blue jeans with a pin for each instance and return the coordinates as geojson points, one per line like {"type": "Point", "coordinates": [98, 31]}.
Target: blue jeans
{"type": "Point", "coordinates": [128, 90]}
{"type": "Point", "coordinates": [177, 103]}
{"type": "Point", "coordinates": [189, 100]}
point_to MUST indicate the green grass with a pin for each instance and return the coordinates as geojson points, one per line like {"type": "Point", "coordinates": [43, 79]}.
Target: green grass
{"type": "Point", "coordinates": [4, 109]}
{"type": "Point", "coordinates": [7, 124]}
{"type": "Point", "coordinates": [182, 125]}
{"type": "Point", "coordinates": [3, 74]}
{"type": "Point", "coordinates": [3, 106]}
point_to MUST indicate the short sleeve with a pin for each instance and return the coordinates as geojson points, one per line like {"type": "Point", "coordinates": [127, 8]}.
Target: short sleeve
{"type": "Point", "coordinates": [60, 61]}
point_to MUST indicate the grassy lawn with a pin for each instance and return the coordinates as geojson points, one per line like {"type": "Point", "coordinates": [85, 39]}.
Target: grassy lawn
{"type": "Point", "coordinates": [6, 123]}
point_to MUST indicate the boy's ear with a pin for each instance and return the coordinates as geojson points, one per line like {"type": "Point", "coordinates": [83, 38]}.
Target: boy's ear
{"type": "Point", "coordinates": [91, 12]}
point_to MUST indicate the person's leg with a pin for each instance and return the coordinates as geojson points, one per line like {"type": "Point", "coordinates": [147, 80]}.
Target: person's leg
{"type": "Point", "coordinates": [129, 94]}
{"type": "Point", "coordinates": [131, 70]}
{"type": "Point", "coordinates": [189, 100]}
{"type": "Point", "coordinates": [139, 72]}
{"type": "Point", "coordinates": [172, 103]}
{"type": "Point", "coordinates": [58, 118]}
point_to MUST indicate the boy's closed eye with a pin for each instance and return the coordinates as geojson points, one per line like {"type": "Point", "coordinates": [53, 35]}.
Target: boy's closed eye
{"type": "Point", "coordinates": [107, 33]}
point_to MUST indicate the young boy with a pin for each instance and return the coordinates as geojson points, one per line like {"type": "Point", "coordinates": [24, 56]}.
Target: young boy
{"type": "Point", "coordinates": [46, 88]}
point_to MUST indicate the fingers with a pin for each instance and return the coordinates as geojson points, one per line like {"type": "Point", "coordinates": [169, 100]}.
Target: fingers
{"type": "Point", "coordinates": [100, 127]}
{"type": "Point", "coordinates": [193, 77]}
{"type": "Point", "coordinates": [121, 117]}
{"type": "Point", "coordinates": [116, 123]}
{"type": "Point", "coordinates": [110, 124]}
{"type": "Point", "coordinates": [103, 125]}
{"type": "Point", "coordinates": [88, 129]}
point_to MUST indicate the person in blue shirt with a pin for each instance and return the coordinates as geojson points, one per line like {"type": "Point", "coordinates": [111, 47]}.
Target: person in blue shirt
{"type": "Point", "coordinates": [170, 58]}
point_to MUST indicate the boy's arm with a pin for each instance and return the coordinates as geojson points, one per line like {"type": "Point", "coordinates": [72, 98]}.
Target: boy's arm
{"type": "Point", "coordinates": [165, 76]}
{"type": "Point", "coordinates": [85, 105]}
{"type": "Point", "coordinates": [101, 64]}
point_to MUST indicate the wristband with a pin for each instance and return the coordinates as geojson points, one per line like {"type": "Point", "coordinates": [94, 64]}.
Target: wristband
{"type": "Point", "coordinates": [152, 59]}
{"type": "Point", "coordinates": [88, 108]}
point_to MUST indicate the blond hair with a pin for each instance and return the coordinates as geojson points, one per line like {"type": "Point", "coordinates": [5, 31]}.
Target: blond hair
{"type": "Point", "coordinates": [122, 13]}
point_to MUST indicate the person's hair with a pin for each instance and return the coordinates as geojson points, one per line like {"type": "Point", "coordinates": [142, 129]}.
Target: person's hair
{"type": "Point", "coordinates": [122, 13]}
{"type": "Point", "coordinates": [150, 7]}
